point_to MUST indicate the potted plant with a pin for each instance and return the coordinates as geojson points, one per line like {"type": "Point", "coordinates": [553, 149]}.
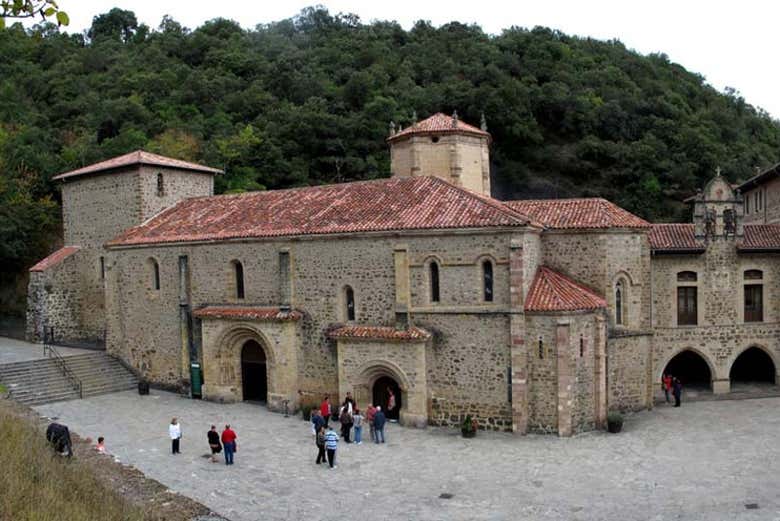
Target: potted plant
{"type": "Point", "coordinates": [469, 427]}
{"type": "Point", "coordinates": [614, 422]}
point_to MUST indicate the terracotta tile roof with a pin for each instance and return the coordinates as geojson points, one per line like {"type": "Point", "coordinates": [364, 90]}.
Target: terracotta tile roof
{"type": "Point", "coordinates": [412, 203]}
{"type": "Point", "coordinates": [55, 258]}
{"type": "Point", "coordinates": [139, 157]}
{"type": "Point", "coordinates": [552, 291]}
{"type": "Point", "coordinates": [414, 334]}
{"type": "Point", "coordinates": [248, 313]}
{"type": "Point", "coordinates": [760, 237]}
{"type": "Point", "coordinates": [674, 237]}
{"type": "Point", "coordinates": [577, 213]}
{"type": "Point", "coordinates": [439, 123]}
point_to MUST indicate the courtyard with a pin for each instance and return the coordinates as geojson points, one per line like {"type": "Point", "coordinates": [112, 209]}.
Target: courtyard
{"type": "Point", "coordinates": [708, 460]}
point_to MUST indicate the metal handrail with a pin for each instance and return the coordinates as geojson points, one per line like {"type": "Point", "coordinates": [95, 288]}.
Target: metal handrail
{"type": "Point", "coordinates": [48, 350]}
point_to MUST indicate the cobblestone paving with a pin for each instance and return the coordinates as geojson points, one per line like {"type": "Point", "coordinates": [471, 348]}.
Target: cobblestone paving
{"type": "Point", "coordinates": [12, 350]}
{"type": "Point", "coordinates": [703, 461]}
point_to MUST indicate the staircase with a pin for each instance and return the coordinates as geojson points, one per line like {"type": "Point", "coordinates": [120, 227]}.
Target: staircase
{"type": "Point", "coordinates": [35, 382]}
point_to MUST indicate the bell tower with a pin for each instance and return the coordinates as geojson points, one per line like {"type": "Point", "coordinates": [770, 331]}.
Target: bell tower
{"type": "Point", "coordinates": [718, 210]}
{"type": "Point", "coordinates": [445, 147]}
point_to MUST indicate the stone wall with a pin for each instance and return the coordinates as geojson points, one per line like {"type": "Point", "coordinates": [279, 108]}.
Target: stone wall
{"type": "Point", "coordinates": [770, 209]}
{"type": "Point", "coordinates": [177, 185]}
{"type": "Point", "coordinates": [628, 371]}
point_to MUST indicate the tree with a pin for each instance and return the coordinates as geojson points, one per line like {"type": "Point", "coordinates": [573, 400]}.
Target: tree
{"type": "Point", "coordinates": [117, 24]}
{"type": "Point", "coordinates": [31, 9]}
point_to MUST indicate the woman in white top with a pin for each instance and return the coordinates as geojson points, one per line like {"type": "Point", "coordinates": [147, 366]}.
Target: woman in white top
{"type": "Point", "coordinates": [174, 430]}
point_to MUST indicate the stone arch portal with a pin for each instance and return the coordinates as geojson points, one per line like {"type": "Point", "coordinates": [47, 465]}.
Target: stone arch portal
{"type": "Point", "coordinates": [254, 372]}
{"type": "Point", "coordinates": [692, 368]}
{"type": "Point", "coordinates": [753, 365]}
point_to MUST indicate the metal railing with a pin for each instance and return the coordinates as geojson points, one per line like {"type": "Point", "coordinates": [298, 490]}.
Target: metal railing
{"type": "Point", "coordinates": [50, 352]}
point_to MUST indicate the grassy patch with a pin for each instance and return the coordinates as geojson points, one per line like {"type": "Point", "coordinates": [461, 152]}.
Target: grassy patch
{"type": "Point", "coordinates": [36, 484]}
{"type": "Point", "coordinates": [2, 389]}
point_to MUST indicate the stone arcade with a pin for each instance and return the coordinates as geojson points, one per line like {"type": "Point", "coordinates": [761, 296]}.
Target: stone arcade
{"type": "Point", "coordinates": [536, 315]}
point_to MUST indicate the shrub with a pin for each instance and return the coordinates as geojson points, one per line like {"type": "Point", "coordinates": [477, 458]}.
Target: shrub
{"type": "Point", "coordinates": [469, 427]}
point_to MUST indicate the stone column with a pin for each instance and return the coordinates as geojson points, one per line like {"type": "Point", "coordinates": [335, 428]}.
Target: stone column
{"type": "Point", "coordinates": [456, 167]}
{"type": "Point", "coordinates": [485, 168]}
{"type": "Point", "coordinates": [518, 354]}
{"type": "Point", "coordinates": [565, 379]}
{"type": "Point", "coordinates": [402, 294]}
{"type": "Point", "coordinates": [600, 372]}
{"type": "Point", "coordinates": [721, 386]}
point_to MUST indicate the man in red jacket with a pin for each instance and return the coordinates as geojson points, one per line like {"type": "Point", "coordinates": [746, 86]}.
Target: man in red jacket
{"type": "Point", "coordinates": [229, 443]}
{"type": "Point", "coordinates": [325, 409]}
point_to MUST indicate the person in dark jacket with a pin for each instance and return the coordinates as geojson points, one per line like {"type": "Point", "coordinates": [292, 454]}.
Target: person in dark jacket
{"type": "Point", "coordinates": [346, 422]}
{"type": "Point", "coordinates": [214, 444]}
{"type": "Point", "coordinates": [320, 441]}
{"type": "Point", "coordinates": [379, 425]}
{"type": "Point", "coordinates": [677, 391]}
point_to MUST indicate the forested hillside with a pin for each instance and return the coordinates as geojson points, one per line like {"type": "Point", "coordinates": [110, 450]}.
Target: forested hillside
{"type": "Point", "coordinates": [309, 100]}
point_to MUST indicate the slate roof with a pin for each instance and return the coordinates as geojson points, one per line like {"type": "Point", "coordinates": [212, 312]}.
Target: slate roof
{"type": "Point", "coordinates": [553, 291]}
{"type": "Point", "coordinates": [758, 237]}
{"type": "Point", "coordinates": [759, 179]}
{"type": "Point", "coordinates": [139, 157]}
{"type": "Point", "coordinates": [411, 203]}
{"type": "Point", "coordinates": [438, 124]}
{"type": "Point", "coordinates": [248, 313]}
{"type": "Point", "coordinates": [55, 258]}
{"type": "Point", "coordinates": [414, 334]}
{"type": "Point", "coordinates": [577, 213]}
{"type": "Point", "coordinates": [677, 237]}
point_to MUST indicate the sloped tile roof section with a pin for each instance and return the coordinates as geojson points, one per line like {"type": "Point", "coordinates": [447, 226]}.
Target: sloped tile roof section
{"type": "Point", "coordinates": [758, 180]}
{"type": "Point", "coordinates": [55, 258]}
{"type": "Point", "coordinates": [412, 203]}
{"type": "Point", "coordinates": [248, 313]}
{"type": "Point", "coordinates": [438, 124]}
{"type": "Point", "coordinates": [677, 237]}
{"type": "Point", "coordinates": [552, 292]}
{"type": "Point", "coordinates": [139, 157]}
{"type": "Point", "coordinates": [760, 237]}
{"type": "Point", "coordinates": [413, 334]}
{"type": "Point", "coordinates": [577, 213]}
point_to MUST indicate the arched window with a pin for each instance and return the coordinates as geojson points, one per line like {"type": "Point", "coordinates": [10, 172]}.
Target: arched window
{"type": "Point", "coordinates": [433, 274]}
{"type": "Point", "coordinates": [620, 293]}
{"type": "Point", "coordinates": [487, 280]}
{"type": "Point", "coordinates": [349, 303]}
{"type": "Point", "coordinates": [238, 270]}
{"type": "Point", "coordinates": [160, 185]}
{"type": "Point", "coordinates": [155, 267]}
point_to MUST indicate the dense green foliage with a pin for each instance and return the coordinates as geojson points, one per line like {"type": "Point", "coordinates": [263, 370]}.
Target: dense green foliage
{"type": "Point", "coordinates": [308, 100]}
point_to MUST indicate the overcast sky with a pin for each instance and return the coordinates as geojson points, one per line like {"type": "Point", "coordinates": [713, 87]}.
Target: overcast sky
{"type": "Point", "coordinates": [732, 43]}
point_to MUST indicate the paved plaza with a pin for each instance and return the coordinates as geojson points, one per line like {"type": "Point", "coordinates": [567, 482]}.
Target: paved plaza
{"type": "Point", "coordinates": [12, 350]}
{"type": "Point", "coordinates": [704, 461]}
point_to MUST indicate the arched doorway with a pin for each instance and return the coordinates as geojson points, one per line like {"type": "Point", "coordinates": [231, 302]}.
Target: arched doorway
{"type": "Point", "coordinates": [753, 366]}
{"type": "Point", "coordinates": [381, 395]}
{"type": "Point", "coordinates": [254, 374]}
{"type": "Point", "coordinates": [691, 369]}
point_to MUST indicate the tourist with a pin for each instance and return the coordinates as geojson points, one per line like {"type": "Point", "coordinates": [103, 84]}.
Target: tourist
{"type": "Point", "coordinates": [370, 412]}
{"type": "Point", "coordinates": [357, 424]}
{"type": "Point", "coordinates": [379, 425]}
{"type": "Point", "coordinates": [316, 421]}
{"type": "Point", "coordinates": [677, 391]}
{"type": "Point", "coordinates": [667, 385]}
{"type": "Point", "coordinates": [174, 431]}
{"type": "Point", "coordinates": [331, 444]}
{"type": "Point", "coordinates": [349, 402]}
{"type": "Point", "coordinates": [390, 405]}
{"type": "Point", "coordinates": [213, 437]}
{"type": "Point", "coordinates": [101, 446]}
{"type": "Point", "coordinates": [325, 409]}
{"type": "Point", "coordinates": [320, 441]}
{"type": "Point", "coordinates": [345, 417]}
{"type": "Point", "coordinates": [229, 443]}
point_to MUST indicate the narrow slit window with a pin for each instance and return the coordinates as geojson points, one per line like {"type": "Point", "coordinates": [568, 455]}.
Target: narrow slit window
{"type": "Point", "coordinates": [487, 280]}
{"type": "Point", "coordinates": [582, 346]}
{"type": "Point", "coordinates": [155, 275]}
{"type": "Point", "coordinates": [434, 279]}
{"type": "Point", "coordinates": [160, 185]}
{"type": "Point", "coordinates": [239, 273]}
{"type": "Point", "coordinates": [541, 348]}
{"type": "Point", "coordinates": [349, 297]}
{"type": "Point", "coordinates": [102, 268]}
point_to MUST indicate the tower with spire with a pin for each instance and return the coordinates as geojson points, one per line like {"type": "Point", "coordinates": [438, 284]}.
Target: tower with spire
{"type": "Point", "coordinates": [443, 146]}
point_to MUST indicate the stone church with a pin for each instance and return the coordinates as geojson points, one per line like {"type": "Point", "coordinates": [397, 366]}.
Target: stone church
{"type": "Point", "coordinates": [530, 315]}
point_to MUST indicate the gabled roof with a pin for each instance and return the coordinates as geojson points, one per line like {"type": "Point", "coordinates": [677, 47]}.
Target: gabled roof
{"type": "Point", "coordinates": [675, 237]}
{"type": "Point", "coordinates": [411, 203]}
{"type": "Point", "coordinates": [139, 157]}
{"type": "Point", "coordinates": [55, 258]}
{"type": "Point", "coordinates": [413, 334]}
{"type": "Point", "coordinates": [760, 237]}
{"type": "Point", "coordinates": [248, 313]}
{"type": "Point", "coordinates": [553, 291]}
{"type": "Point", "coordinates": [577, 213]}
{"type": "Point", "coordinates": [759, 179]}
{"type": "Point", "coordinates": [438, 124]}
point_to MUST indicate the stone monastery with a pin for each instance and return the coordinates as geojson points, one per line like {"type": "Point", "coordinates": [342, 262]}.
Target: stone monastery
{"type": "Point", "coordinates": [531, 316]}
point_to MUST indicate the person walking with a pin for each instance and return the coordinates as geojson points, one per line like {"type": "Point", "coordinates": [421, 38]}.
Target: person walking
{"type": "Point", "coordinates": [325, 410]}
{"type": "Point", "coordinates": [357, 425]}
{"type": "Point", "coordinates": [213, 437]}
{"type": "Point", "coordinates": [331, 444]}
{"type": "Point", "coordinates": [370, 412]}
{"type": "Point", "coordinates": [677, 391]}
{"type": "Point", "coordinates": [346, 422]}
{"type": "Point", "coordinates": [666, 383]}
{"type": "Point", "coordinates": [229, 443]}
{"type": "Point", "coordinates": [320, 441]}
{"type": "Point", "coordinates": [349, 402]}
{"type": "Point", "coordinates": [316, 421]}
{"type": "Point", "coordinates": [390, 405]}
{"type": "Point", "coordinates": [174, 431]}
{"type": "Point", "coordinates": [379, 426]}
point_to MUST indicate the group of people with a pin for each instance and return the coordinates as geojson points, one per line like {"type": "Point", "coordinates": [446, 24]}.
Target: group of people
{"type": "Point", "coordinates": [351, 420]}
{"type": "Point", "coordinates": [217, 442]}
{"type": "Point", "coordinates": [674, 385]}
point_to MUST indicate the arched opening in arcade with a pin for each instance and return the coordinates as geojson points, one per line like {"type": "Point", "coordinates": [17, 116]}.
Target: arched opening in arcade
{"type": "Point", "coordinates": [752, 366]}
{"type": "Point", "coordinates": [692, 371]}
{"type": "Point", "coordinates": [254, 372]}
{"type": "Point", "coordinates": [387, 393]}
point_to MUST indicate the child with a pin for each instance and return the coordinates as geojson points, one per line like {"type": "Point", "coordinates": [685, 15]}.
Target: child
{"type": "Point", "coordinates": [100, 447]}
{"type": "Point", "coordinates": [331, 444]}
